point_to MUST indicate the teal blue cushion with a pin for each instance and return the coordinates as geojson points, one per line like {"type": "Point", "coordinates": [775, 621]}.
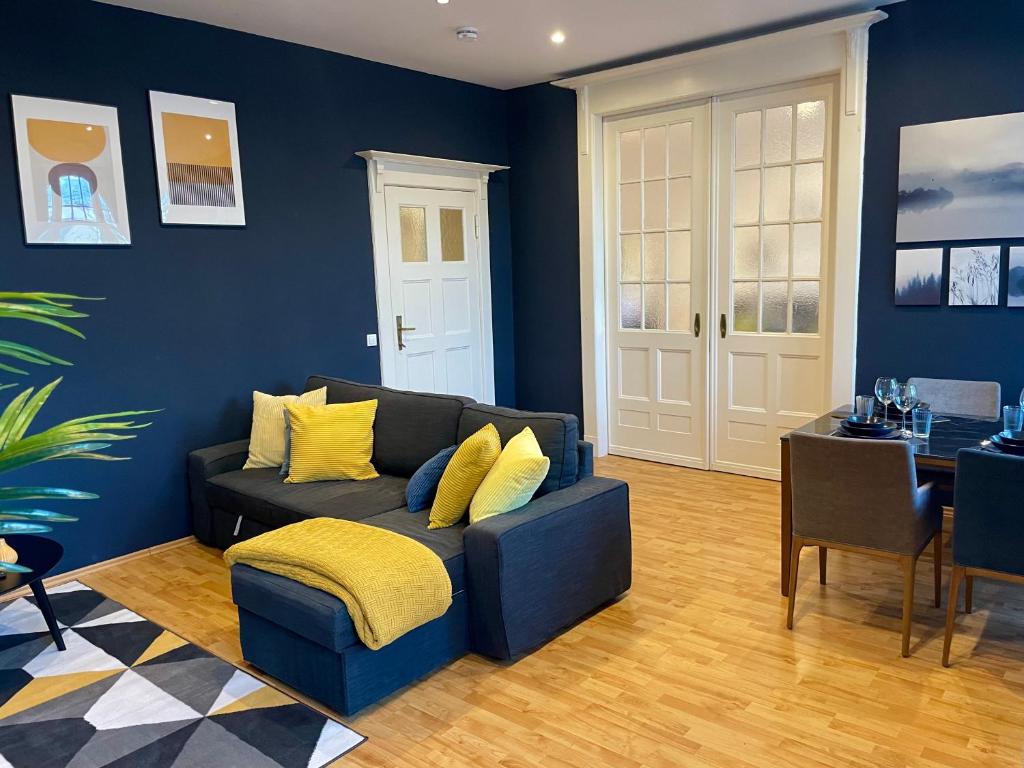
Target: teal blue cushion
{"type": "Point", "coordinates": [419, 494]}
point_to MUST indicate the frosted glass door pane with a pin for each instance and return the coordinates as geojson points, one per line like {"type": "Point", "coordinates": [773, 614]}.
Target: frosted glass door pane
{"type": "Point", "coordinates": [776, 251]}
{"type": "Point", "coordinates": [776, 307]}
{"type": "Point", "coordinates": [810, 130]}
{"type": "Point", "coordinates": [654, 307]}
{"type": "Point", "coordinates": [630, 245]}
{"type": "Point", "coordinates": [654, 152]}
{"type": "Point", "coordinates": [654, 256]}
{"type": "Point", "coordinates": [807, 250]}
{"type": "Point", "coordinates": [805, 306]}
{"type": "Point", "coordinates": [629, 207]}
{"type": "Point", "coordinates": [629, 306]}
{"type": "Point", "coordinates": [746, 258]}
{"type": "Point", "coordinates": [413, 225]}
{"type": "Point", "coordinates": [678, 307]}
{"type": "Point", "coordinates": [776, 193]}
{"type": "Point", "coordinates": [678, 255]}
{"type": "Point", "coordinates": [748, 139]}
{"type": "Point", "coordinates": [748, 197]}
{"type": "Point", "coordinates": [654, 204]}
{"type": "Point", "coordinates": [778, 135]}
{"type": "Point", "coordinates": [452, 244]}
{"type": "Point", "coordinates": [744, 302]}
{"type": "Point", "coordinates": [629, 156]}
{"type": "Point", "coordinates": [808, 191]}
{"type": "Point", "coordinates": [679, 203]}
{"type": "Point", "coordinates": [680, 149]}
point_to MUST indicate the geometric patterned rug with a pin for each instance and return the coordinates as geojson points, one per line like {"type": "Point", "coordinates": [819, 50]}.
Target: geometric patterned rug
{"type": "Point", "coordinates": [128, 693]}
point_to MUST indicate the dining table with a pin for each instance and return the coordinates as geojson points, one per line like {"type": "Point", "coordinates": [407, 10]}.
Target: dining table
{"type": "Point", "coordinates": [934, 456]}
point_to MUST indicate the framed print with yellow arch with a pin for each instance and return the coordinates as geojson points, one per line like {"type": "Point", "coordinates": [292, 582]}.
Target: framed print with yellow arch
{"type": "Point", "coordinates": [197, 165]}
{"type": "Point", "coordinates": [70, 172]}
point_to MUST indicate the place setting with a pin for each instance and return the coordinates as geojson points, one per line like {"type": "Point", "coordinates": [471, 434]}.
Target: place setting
{"type": "Point", "coordinates": [1011, 438]}
{"type": "Point", "coordinates": [870, 418]}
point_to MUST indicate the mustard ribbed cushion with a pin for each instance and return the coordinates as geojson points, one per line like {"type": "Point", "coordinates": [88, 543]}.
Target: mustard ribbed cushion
{"type": "Point", "coordinates": [463, 475]}
{"type": "Point", "coordinates": [266, 442]}
{"type": "Point", "coordinates": [512, 481]}
{"type": "Point", "coordinates": [332, 442]}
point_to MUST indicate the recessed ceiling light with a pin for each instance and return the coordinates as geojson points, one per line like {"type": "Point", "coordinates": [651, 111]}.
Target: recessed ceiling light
{"type": "Point", "coordinates": [558, 37]}
{"type": "Point", "coordinates": [442, 2]}
{"type": "Point", "coordinates": [467, 33]}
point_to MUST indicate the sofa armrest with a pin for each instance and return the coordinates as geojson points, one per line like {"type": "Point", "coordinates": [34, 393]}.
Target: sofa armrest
{"type": "Point", "coordinates": [586, 451]}
{"type": "Point", "coordinates": [533, 572]}
{"type": "Point", "coordinates": [203, 464]}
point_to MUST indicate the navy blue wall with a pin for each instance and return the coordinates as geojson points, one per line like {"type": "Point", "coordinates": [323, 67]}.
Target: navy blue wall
{"type": "Point", "coordinates": [934, 60]}
{"type": "Point", "coordinates": [196, 318]}
{"type": "Point", "coordinates": [546, 245]}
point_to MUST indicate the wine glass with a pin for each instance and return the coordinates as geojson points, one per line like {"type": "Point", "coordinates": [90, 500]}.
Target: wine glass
{"type": "Point", "coordinates": [885, 388]}
{"type": "Point", "coordinates": [905, 397]}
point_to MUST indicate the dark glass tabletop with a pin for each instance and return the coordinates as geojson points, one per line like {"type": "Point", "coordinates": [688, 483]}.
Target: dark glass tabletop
{"type": "Point", "coordinates": [949, 434]}
{"type": "Point", "coordinates": [34, 552]}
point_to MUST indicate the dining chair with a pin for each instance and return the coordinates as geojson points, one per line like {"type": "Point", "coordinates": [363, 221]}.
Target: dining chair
{"type": "Point", "coordinates": [955, 397]}
{"type": "Point", "coordinates": [862, 496]}
{"type": "Point", "coordinates": [988, 539]}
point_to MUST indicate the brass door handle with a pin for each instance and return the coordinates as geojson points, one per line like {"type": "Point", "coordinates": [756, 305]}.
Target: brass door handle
{"type": "Point", "coordinates": [721, 325]}
{"type": "Point", "coordinates": [696, 325]}
{"type": "Point", "coordinates": [400, 328]}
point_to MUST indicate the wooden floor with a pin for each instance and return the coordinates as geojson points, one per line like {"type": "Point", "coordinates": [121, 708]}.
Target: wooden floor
{"type": "Point", "coordinates": [694, 667]}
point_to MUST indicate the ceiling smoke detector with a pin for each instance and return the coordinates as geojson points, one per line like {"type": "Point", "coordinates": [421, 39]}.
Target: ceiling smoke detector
{"type": "Point", "coordinates": [467, 33]}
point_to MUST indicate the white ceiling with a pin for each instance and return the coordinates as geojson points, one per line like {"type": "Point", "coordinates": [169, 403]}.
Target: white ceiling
{"type": "Point", "coordinates": [513, 48]}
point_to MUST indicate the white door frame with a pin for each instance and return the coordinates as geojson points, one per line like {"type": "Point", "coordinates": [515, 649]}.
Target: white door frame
{"type": "Point", "coordinates": [838, 47]}
{"type": "Point", "coordinates": [385, 169]}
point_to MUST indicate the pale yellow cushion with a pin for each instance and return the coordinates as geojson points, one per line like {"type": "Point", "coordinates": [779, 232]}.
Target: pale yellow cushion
{"type": "Point", "coordinates": [332, 442]}
{"type": "Point", "coordinates": [463, 475]}
{"type": "Point", "coordinates": [266, 442]}
{"type": "Point", "coordinates": [512, 481]}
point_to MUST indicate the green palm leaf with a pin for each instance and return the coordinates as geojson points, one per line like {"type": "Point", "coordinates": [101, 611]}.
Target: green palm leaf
{"type": "Point", "coordinates": [36, 515]}
{"type": "Point", "coordinates": [14, 568]}
{"type": "Point", "coordinates": [28, 493]}
{"type": "Point", "coordinates": [11, 527]}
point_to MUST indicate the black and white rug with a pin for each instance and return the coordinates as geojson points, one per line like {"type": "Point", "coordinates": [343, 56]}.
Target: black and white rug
{"type": "Point", "coordinates": [128, 693]}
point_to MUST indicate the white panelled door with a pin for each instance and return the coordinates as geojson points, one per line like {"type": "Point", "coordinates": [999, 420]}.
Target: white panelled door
{"type": "Point", "coordinates": [772, 355]}
{"type": "Point", "coordinates": [656, 247]}
{"type": "Point", "coordinates": [434, 264]}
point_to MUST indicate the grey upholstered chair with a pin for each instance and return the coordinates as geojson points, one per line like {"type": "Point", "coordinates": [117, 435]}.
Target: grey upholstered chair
{"type": "Point", "coordinates": [977, 399]}
{"type": "Point", "coordinates": [862, 496]}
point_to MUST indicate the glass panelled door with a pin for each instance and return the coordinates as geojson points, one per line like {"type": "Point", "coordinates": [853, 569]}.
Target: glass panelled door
{"type": "Point", "coordinates": [656, 247]}
{"type": "Point", "coordinates": [772, 356]}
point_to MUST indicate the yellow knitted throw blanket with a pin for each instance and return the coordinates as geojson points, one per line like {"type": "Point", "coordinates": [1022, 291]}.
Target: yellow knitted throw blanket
{"type": "Point", "coordinates": [390, 583]}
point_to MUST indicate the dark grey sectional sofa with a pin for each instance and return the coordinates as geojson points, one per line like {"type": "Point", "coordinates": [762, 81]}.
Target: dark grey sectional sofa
{"type": "Point", "coordinates": [518, 579]}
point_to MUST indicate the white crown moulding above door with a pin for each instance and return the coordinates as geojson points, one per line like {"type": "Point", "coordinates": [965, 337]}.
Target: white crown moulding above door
{"type": "Point", "coordinates": [381, 164]}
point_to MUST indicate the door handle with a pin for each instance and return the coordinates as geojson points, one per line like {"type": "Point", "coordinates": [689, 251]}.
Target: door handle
{"type": "Point", "coordinates": [400, 328]}
{"type": "Point", "coordinates": [696, 325]}
{"type": "Point", "coordinates": [721, 325]}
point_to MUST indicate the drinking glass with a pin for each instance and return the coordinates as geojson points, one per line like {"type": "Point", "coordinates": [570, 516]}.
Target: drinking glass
{"type": "Point", "coordinates": [921, 420]}
{"type": "Point", "coordinates": [865, 406]}
{"type": "Point", "coordinates": [885, 388]}
{"type": "Point", "coordinates": [905, 397]}
{"type": "Point", "coordinates": [1013, 416]}
{"type": "Point", "coordinates": [1022, 398]}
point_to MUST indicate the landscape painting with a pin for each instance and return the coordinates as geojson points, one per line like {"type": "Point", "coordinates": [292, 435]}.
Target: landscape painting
{"type": "Point", "coordinates": [962, 180]}
{"type": "Point", "coordinates": [974, 276]}
{"type": "Point", "coordinates": [1015, 283]}
{"type": "Point", "coordinates": [919, 277]}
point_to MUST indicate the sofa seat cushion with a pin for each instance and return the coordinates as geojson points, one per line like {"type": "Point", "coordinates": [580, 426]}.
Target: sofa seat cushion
{"type": "Point", "coordinates": [321, 617]}
{"type": "Point", "coordinates": [556, 433]}
{"type": "Point", "coordinates": [262, 495]}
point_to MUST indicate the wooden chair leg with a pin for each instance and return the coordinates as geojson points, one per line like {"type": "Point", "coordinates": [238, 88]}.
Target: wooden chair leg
{"type": "Point", "coordinates": [955, 577]}
{"type": "Point", "coordinates": [822, 564]}
{"type": "Point", "coordinates": [969, 594]}
{"type": "Point", "coordinates": [909, 566]}
{"type": "Point", "coordinates": [937, 556]}
{"type": "Point", "coordinates": [794, 568]}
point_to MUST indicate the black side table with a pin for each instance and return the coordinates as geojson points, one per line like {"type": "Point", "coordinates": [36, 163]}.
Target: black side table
{"type": "Point", "coordinates": [41, 555]}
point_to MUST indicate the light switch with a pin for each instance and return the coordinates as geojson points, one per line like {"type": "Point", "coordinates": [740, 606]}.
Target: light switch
{"type": "Point", "coordinates": [371, 339]}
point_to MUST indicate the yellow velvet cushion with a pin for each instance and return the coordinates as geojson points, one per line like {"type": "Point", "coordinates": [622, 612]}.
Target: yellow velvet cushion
{"type": "Point", "coordinates": [331, 442]}
{"type": "Point", "coordinates": [512, 481]}
{"type": "Point", "coordinates": [463, 475]}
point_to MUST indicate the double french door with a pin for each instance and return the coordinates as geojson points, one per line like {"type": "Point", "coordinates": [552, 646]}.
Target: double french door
{"type": "Point", "coordinates": [718, 253]}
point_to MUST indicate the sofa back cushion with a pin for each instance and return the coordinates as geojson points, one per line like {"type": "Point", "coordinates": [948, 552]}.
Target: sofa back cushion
{"type": "Point", "coordinates": [557, 434]}
{"type": "Point", "coordinates": [410, 428]}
